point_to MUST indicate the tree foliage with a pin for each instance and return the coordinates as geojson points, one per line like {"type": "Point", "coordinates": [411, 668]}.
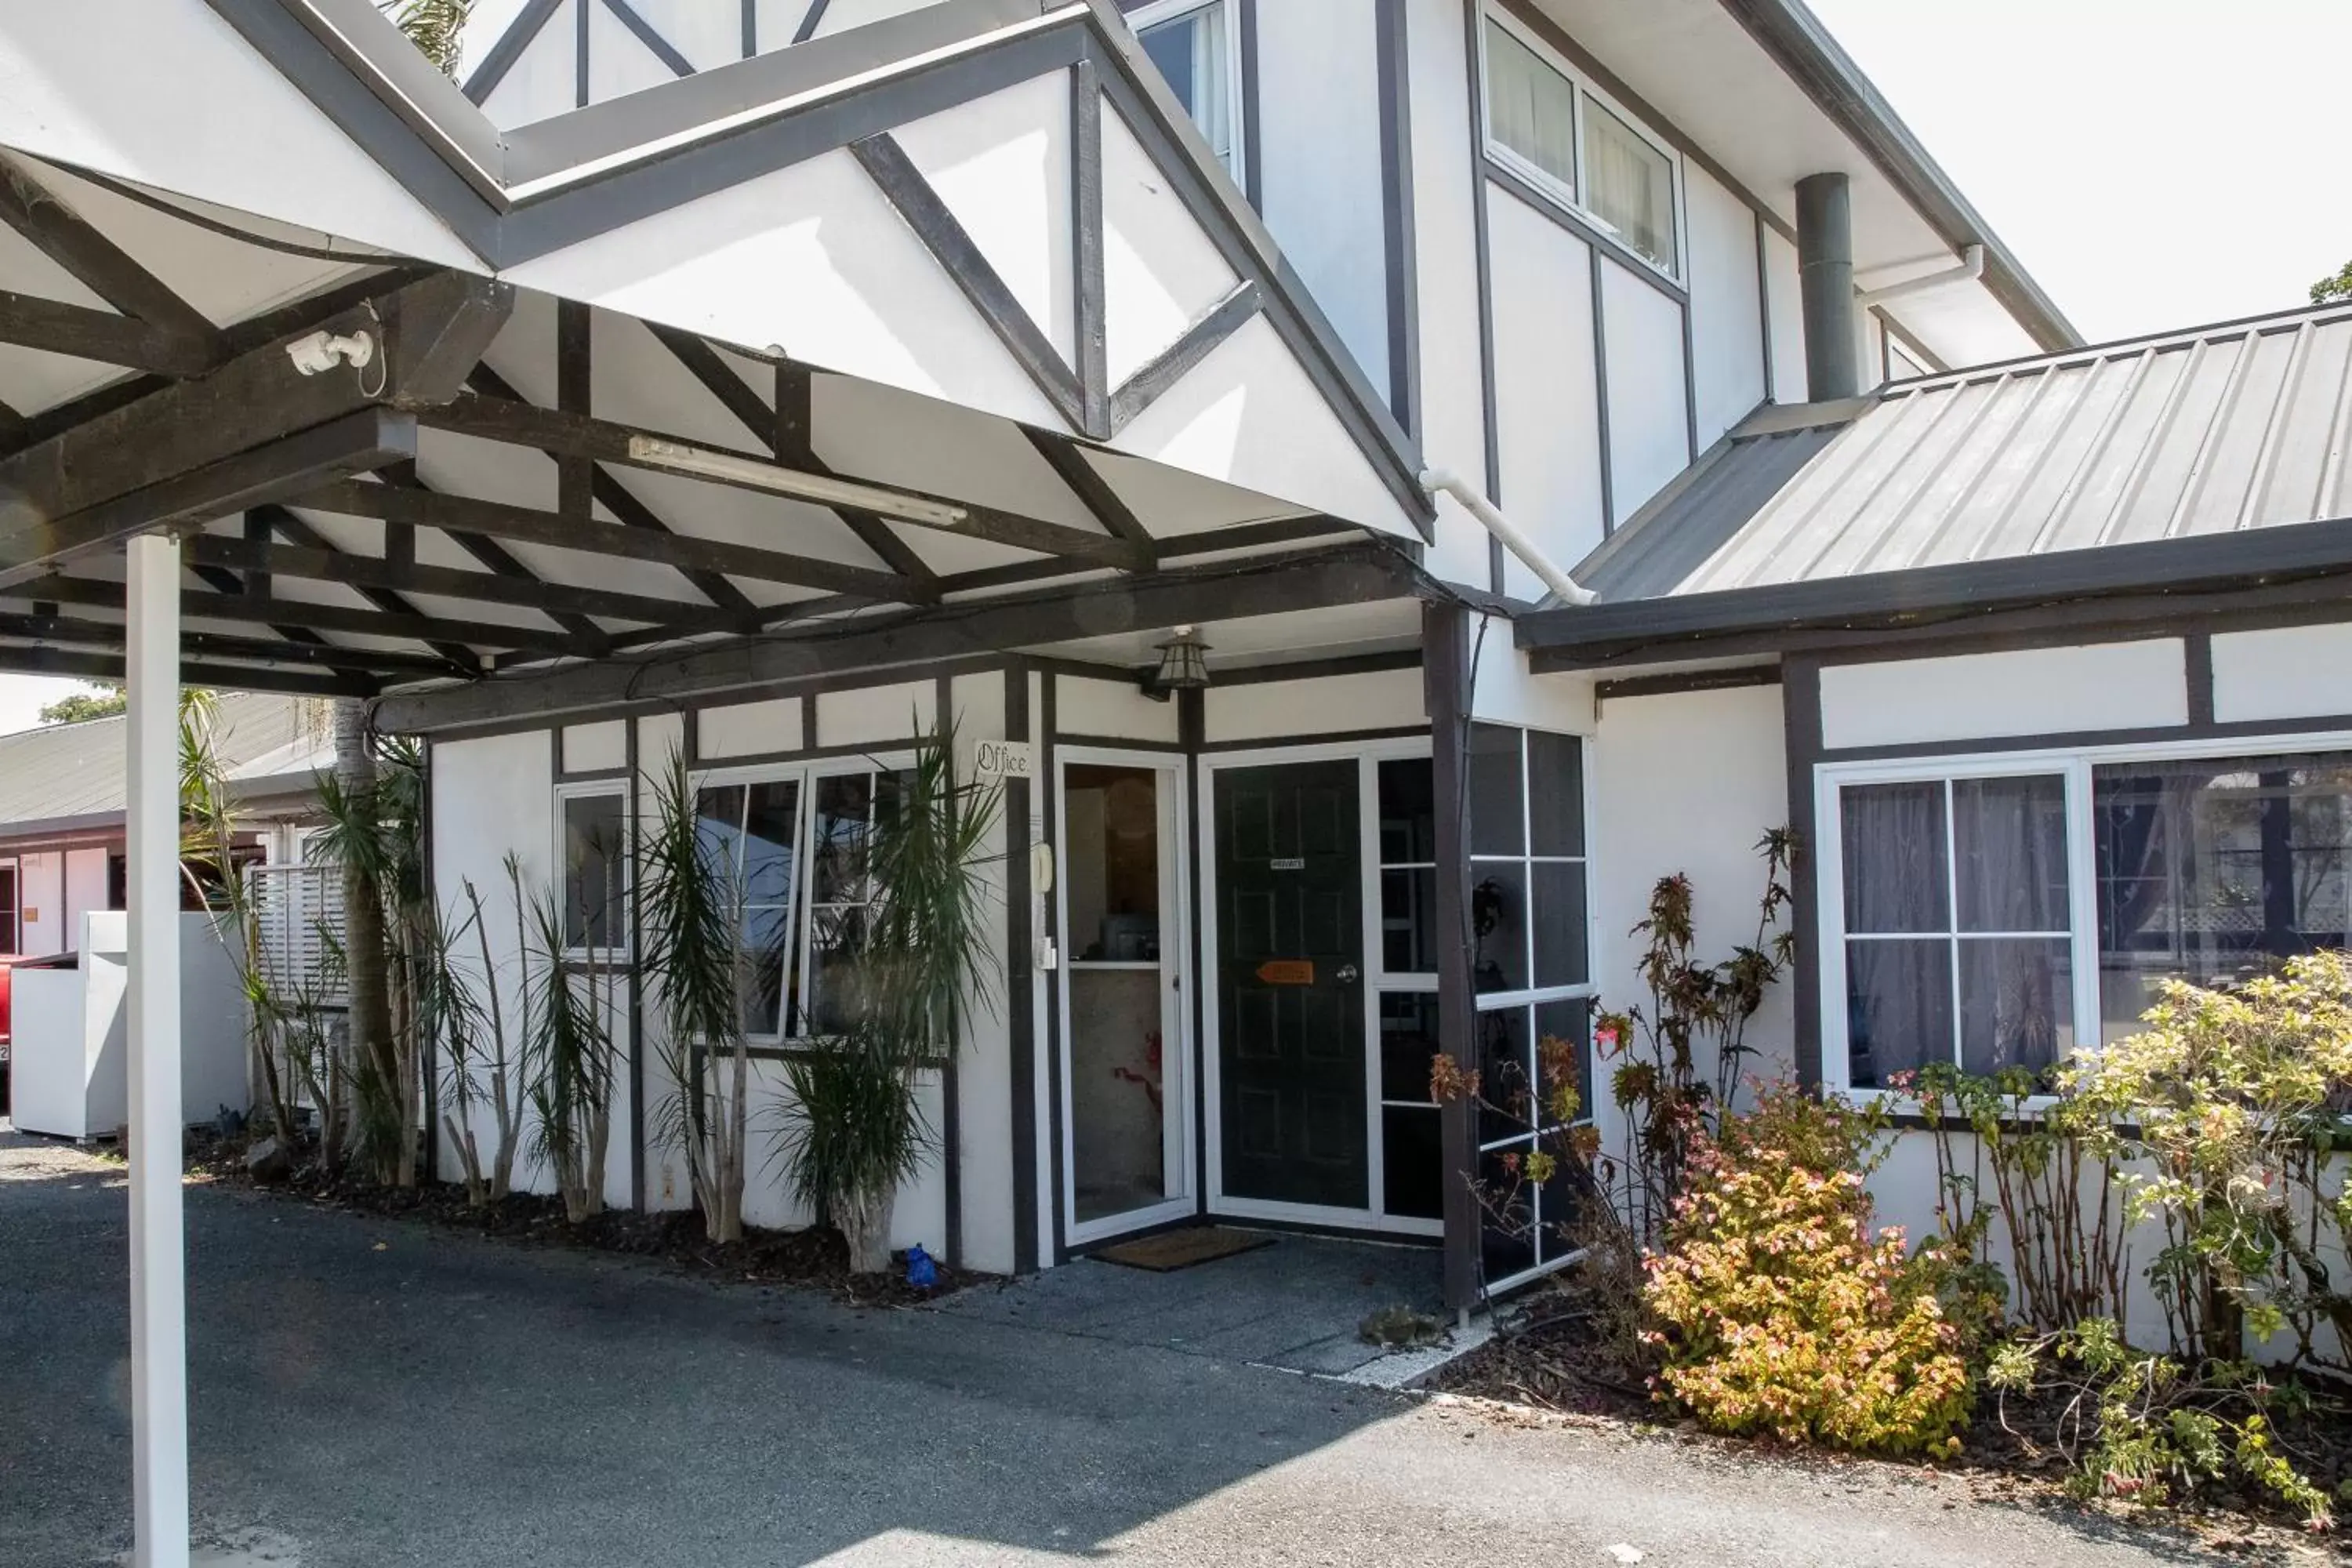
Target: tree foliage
{"type": "Point", "coordinates": [2336, 285]}
{"type": "Point", "coordinates": [97, 702]}
{"type": "Point", "coordinates": [436, 27]}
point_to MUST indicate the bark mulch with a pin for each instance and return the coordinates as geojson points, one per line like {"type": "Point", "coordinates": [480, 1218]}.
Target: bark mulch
{"type": "Point", "coordinates": [814, 1259]}
{"type": "Point", "coordinates": [1546, 1360]}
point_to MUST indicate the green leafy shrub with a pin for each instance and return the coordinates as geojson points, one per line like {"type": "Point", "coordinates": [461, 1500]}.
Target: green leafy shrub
{"type": "Point", "coordinates": [1779, 1313]}
{"type": "Point", "coordinates": [2145, 1429]}
{"type": "Point", "coordinates": [2238, 1099]}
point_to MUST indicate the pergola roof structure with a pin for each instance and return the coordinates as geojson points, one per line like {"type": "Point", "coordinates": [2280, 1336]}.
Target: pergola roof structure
{"type": "Point", "coordinates": [764, 374]}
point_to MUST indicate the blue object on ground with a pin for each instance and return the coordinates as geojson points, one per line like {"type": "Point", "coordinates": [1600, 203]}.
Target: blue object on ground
{"type": "Point", "coordinates": [921, 1272]}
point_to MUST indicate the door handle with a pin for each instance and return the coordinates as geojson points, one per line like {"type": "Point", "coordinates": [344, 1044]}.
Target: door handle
{"type": "Point", "coordinates": [1346, 974]}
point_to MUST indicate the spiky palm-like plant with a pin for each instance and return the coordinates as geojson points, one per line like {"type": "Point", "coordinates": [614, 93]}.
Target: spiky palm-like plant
{"type": "Point", "coordinates": [569, 1059]}
{"type": "Point", "coordinates": [855, 1129]}
{"type": "Point", "coordinates": [691, 915]}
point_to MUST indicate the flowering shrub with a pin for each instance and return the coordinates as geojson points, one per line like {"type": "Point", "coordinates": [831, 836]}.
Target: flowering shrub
{"type": "Point", "coordinates": [1778, 1312]}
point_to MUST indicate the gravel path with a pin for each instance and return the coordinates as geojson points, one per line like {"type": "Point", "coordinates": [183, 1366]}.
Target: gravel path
{"type": "Point", "coordinates": [376, 1396]}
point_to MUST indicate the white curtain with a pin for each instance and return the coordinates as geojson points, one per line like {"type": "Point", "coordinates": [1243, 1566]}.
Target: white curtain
{"type": "Point", "coordinates": [1630, 186]}
{"type": "Point", "coordinates": [1530, 108]}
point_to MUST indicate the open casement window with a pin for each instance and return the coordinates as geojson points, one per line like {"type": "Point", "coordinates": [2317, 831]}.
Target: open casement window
{"type": "Point", "coordinates": [592, 860]}
{"type": "Point", "coordinates": [1573, 144]}
{"type": "Point", "coordinates": [750, 834]}
{"type": "Point", "coordinates": [792, 843]}
{"type": "Point", "coordinates": [1976, 911]}
{"type": "Point", "coordinates": [1531, 964]}
{"type": "Point", "coordinates": [1198, 49]}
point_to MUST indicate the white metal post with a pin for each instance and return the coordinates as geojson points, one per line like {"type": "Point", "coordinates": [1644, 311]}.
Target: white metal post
{"type": "Point", "coordinates": [159, 1318]}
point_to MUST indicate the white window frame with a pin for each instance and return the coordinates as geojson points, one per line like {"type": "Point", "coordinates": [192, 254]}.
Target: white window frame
{"type": "Point", "coordinates": [607, 788]}
{"type": "Point", "coordinates": [807, 773]}
{"type": "Point", "coordinates": [2077, 764]}
{"type": "Point", "coordinates": [1548, 184]}
{"type": "Point", "coordinates": [1236, 111]}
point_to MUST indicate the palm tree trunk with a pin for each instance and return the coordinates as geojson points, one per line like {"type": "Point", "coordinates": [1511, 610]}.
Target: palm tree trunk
{"type": "Point", "coordinates": [366, 982]}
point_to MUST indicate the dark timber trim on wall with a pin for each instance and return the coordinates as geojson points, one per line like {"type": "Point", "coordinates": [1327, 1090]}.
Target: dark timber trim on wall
{"type": "Point", "coordinates": [1446, 695]}
{"type": "Point", "coordinates": [1044, 737]}
{"type": "Point", "coordinates": [1800, 701]}
{"type": "Point", "coordinates": [1020, 980]}
{"type": "Point", "coordinates": [1399, 229]}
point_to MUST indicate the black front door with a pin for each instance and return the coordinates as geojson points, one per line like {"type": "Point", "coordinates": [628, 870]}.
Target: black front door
{"type": "Point", "coordinates": [1290, 1013]}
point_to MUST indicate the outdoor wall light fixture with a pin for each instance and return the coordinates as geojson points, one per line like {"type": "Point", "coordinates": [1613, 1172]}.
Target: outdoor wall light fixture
{"type": "Point", "coordinates": [677, 457]}
{"type": "Point", "coordinates": [1183, 666]}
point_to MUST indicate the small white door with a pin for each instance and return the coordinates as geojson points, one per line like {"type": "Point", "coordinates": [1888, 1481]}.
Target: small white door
{"type": "Point", "coordinates": [1126, 1089]}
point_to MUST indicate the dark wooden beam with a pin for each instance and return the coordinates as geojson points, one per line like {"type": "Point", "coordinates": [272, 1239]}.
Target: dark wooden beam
{"type": "Point", "coordinates": [242, 607]}
{"type": "Point", "coordinates": [276, 519]}
{"type": "Point", "coordinates": [792, 438]}
{"type": "Point", "coordinates": [550, 430]}
{"type": "Point", "coordinates": [102, 266]}
{"type": "Point", "coordinates": [1165, 369]}
{"type": "Point", "coordinates": [441, 582]}
{"type": "Point", "coordinates": [355, 443]}
{"type": "Point", "coordinates": [1086, 481]}
{"type": "Point", "coordinates": [573, 469]}
{"type": "Point", "coordinates": [1445, 694]}
{"type": "Point", "coordinates": [224, 677]}
{"type": "Point", "coordinates": [75, 631]}
{"type": "Point", "coordinates": [461, 514]}
{"type": "Point", "coordinates": [1363, 574]}
{"type": "Point", "coordinates": [30, 321]}
{"type": "Point", "coordinates": [591, 641]}
{"type": "Point", "coordinates": [903, 185]}
{"type": "Point", "coordinates": [252, 400]}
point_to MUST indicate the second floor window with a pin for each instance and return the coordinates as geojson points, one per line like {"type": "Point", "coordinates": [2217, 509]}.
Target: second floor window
{"type": "Point", "coordinates": [1195, 46]}
{"type": "Point", "coordinates": [1547, 125]}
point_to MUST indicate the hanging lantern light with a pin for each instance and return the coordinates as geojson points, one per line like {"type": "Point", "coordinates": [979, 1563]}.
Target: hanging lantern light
{"type": "Point", "coordinates": [1183, 663]}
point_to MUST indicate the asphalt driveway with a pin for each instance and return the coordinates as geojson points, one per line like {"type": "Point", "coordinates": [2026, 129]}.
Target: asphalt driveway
{"type": "Point", "coordinates": [376, 1396]}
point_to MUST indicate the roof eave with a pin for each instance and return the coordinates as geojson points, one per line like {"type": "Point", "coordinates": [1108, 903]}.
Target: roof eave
{"type": "Point", "coordinates": [1812, 57]}
{"type": "Point", "coordinates": [1694, 624]}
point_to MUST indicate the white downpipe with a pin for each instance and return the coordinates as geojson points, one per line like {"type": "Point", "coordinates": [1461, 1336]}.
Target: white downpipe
{"type": "Point", "coordinates": [159, 1307]}
{"type": "Point", "coordinates": [1971, 268]}
{"type": "Point", "coordinates": [1445, 482]}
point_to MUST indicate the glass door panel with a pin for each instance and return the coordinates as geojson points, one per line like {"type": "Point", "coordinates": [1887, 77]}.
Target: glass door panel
{"type": "Point", "coordinates": [1123, 1069]}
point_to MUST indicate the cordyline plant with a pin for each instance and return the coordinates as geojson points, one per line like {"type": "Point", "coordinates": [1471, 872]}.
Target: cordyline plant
{"type": "Point", "coordinates": [854, 1129]}
{"type": "Point", "coordinates": [1680, 1055]}
{"type": "Point", "coordinates": [208, 835]}
{"type": "Point", "coordinates": [568, 1055]}
{"type": "Point", "coordinates": [470, 1025]}
{"type": "Point", "coordinates": [691, 924]}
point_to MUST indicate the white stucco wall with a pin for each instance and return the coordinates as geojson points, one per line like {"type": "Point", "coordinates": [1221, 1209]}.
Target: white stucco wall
{"type": "Point", "coordinates": [2026, 692]}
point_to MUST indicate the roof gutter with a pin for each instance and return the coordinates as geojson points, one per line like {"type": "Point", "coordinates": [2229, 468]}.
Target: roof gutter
{"type": "Point", "coordinates": [1804, 48]}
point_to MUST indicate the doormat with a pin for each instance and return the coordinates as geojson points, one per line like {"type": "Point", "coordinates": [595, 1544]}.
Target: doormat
{"type": "Point", "coordinates": [1174, 1250]}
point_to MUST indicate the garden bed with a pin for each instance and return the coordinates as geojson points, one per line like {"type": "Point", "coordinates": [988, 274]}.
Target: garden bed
{"type": "Point", "coordinates": [1547, 1362]}
{"type": "Point", "coordinates": [814, 1259]}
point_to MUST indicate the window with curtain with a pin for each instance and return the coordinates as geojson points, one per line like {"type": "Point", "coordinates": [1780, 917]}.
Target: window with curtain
{"type": "Point", "coordinates": [1628, 184]}
{"type": "Point", "coordinates": [1192, 48]}
{"type": "Point", "coordinates": [1530, 106]}
{"type": "Point", "coordinates": [1546, 125]}
{"type": "Point", "coordinates": [1964, 938]}
{"type": "Point", "coordinates": [1959, 936]}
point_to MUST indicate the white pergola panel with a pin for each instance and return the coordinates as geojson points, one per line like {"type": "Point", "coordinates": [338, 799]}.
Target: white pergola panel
{"type": "Point", "coordinates": [163, 93]}
{"type": "Point", "coordinates": [810, 259]}
{"type": "Point", "coordinates": [32, 380]}
{"type": "Point", "coordinates": [861, 428]}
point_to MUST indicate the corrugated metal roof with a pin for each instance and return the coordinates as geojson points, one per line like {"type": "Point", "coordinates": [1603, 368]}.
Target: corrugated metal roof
{"type": "Point", "coordinates": [69, 770]}
{"type": "Point", "coordinates": [2220, 431]}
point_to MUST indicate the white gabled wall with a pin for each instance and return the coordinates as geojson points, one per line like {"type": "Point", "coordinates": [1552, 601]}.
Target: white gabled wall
{"type": "Point", "coordinates": [1648, 412]}
{"type": "Point", "coordinates": [1727, 306]}
{"type": "Point", "coordinates": [1317, 141]}
{"type": "Point", "coordinates": [1546, 386]}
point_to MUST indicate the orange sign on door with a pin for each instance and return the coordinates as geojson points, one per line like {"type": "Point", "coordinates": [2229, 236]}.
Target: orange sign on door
{"type": "Point", "coordinates": [1287, 972]}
